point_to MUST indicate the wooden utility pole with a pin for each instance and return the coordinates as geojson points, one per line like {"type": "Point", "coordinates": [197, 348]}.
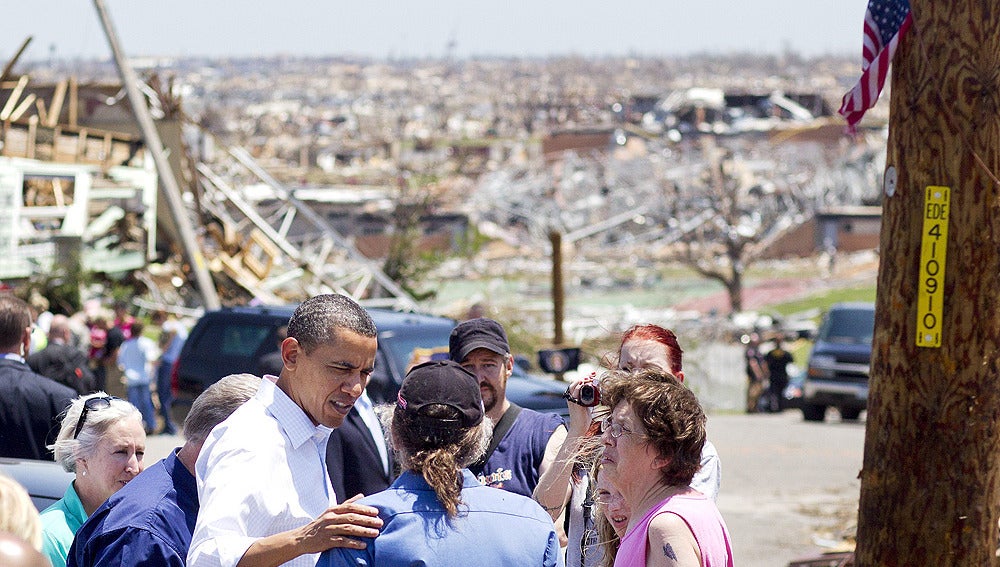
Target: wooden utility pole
{"type": "Point", "coordinates": [558, 291]}
{"type": "Point", "coordinates": [930, 484]}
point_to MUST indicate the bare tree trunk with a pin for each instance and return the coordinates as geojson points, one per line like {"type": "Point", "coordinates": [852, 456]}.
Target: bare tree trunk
{"type": "Point", "coordinates": [735, 289]}
{"type": "Point", "coordinates": [930, 485]}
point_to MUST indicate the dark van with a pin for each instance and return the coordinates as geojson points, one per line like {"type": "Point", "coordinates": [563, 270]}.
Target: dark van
{"type": "Point", "coordinates": [839, 363]}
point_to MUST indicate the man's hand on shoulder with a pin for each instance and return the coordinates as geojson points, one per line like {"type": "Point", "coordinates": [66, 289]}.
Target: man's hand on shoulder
{"type": "Point", "coordinates": [340, 526]}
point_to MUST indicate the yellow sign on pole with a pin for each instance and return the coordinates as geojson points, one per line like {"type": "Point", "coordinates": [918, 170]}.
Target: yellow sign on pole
{"type": "Point", "coordinates": [930, 294]}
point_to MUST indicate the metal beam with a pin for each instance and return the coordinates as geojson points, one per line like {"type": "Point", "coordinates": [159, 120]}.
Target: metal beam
{"type": "Point", "coordinates": [168, 183]}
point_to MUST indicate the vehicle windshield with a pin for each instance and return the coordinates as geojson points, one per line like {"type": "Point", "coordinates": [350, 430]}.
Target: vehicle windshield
{"type": "Point", "coordinates": [849, 326]}
{"type": "Point", "coordinates": [407, 350]}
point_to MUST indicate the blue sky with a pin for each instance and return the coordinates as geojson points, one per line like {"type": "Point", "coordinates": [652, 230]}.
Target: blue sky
{"type": "Point", "coordinates": [380, 28]}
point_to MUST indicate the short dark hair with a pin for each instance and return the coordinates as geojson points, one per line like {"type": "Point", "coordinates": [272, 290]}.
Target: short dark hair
{"type": "Point", "coordinates": [137, 328]}
{"type": "Point", "coordinates": [217, 403]}
{"type": "Point", "coordinates": [670, 413]}
{"type": "Point", "coordinates": [317, 319]}
{"type": "Point", "coordinates": [15, 317]}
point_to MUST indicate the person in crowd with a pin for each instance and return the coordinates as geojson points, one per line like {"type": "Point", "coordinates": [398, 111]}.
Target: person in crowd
{"type": "Point", "coordinates": [31, 402]}
{"type": "Point", "coordinates": [357, 458]}
{"type": "Point", "coordinates": [436, 512]}
{"type": "Point", "coordinates": [97, 355]}
{"type": "Point", "coordinates": [18, 515]}
{"type": "Point", "coordinates": [79, 332]}
{"type": "Point", "coordinates": [101, 441]}
{"type": "Point", "coordinates": [173, 333]}
{"type": "Point", "coordinates": [652, 346]}
{"type": "Point", "coordinates": [136, 358]}
{"type": "Point", "coordinates": [265, 495]}
{"type": "Point", "coordinates": [756, 371]}
{"type": "Point", "coordinates": [610, 521]}
{"type": "Point", "coordinates": [41, 315]}
{"type": "Point", "coordinates": [15, 552]}
{"type": "Point", "coordinates": [271, 363]}
{"type": "Point", "coordinates": [642, 346]}
{"type": "Point", "coordinates": [777, 360]}
{"type": "Point", "coordinates": [151, 519]}
{"type": "Point", "coordinates": [566, 484]}
{"type": "Point", "coordinates": [123, 320]}
{"type": "Point", "coordinates": [119, 331]}
{"type": "Point", "coordinates": [61, 360]}
{"type": "Point", "coordinates": [653, 442]}
{"type": "Point", "coordinates": [525, 441]}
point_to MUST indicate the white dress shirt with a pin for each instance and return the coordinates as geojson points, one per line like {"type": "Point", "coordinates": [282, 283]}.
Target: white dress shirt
{"type": "Point", "coordinates": [367, 413]}
{"type": "Point", "coordinates": [260, 472]}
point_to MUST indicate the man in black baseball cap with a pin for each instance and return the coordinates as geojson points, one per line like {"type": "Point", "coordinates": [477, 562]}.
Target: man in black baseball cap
{"type": "Point", "coordinates": [525, 442]}
{"type": "Point", "coordinates": [477, 333]}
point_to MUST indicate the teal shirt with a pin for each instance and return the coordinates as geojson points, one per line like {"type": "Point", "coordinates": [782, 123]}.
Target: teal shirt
{"type": "Point", "coordinates": [60, 522]}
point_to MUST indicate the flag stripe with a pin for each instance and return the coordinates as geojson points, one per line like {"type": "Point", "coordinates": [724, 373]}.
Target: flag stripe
{"type": "Point", "coordinates": [885, 23]}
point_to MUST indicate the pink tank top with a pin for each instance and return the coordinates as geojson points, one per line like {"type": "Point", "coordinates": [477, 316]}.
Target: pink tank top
{"type": "Point", "coordinates": [700, 514]}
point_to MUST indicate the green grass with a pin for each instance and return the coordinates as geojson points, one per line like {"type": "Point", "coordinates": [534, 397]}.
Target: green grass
{"type": "Point", "coordinates": [823, 301]}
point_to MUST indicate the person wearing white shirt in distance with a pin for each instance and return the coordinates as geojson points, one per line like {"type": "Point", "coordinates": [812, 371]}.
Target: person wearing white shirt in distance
{"type": "Point", "coordinates": [266, 499]}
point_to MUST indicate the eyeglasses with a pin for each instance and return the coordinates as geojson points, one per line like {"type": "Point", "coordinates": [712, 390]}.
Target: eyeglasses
{"type": "Point", "coordinates": [92, 404]}
{"type": "Point", "coordinates": [605, 498]}
{"type": "Point", "coordinates": [615, 429]}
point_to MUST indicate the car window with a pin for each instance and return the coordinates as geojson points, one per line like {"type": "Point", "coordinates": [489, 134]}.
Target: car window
{"type": "Point", "coordinates": [241, 339]}
{"type": "Point", "coordinates": [381, 387]}
{"type": "Point", "coordinates": [849, 326]}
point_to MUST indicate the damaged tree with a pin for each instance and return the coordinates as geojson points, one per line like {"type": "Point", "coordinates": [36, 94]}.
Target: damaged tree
{"type": "Point", "coordinates": [930, 485]}
{"type": "Point", "coordinates": [737, 219]}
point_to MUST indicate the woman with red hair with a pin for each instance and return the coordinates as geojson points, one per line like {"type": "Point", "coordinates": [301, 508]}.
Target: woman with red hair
{"type": "Point", "coordinates": [652, 346]}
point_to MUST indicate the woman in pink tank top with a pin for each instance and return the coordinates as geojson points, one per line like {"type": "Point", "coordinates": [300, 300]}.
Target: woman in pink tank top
{"type": "Point", "coordinates": [653, 440]}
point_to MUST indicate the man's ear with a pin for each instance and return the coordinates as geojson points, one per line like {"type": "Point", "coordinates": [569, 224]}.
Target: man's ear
{"type": "Point", "coordinates": [290, 352]}
{"type": "Point", "coordinates": [26, 342]}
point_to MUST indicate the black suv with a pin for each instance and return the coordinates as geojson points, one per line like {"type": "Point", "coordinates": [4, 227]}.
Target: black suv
{"type": "Point", "coordinates": [839, 363]}
{"type": "Point", "coordinates": [232, 340]}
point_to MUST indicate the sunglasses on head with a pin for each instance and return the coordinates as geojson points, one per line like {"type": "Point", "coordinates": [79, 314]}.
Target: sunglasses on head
{"type": "Point", "coordinates": [92, 404]}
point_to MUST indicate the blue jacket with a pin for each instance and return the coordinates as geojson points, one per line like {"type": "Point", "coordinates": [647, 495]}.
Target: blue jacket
{"type": "Point", "coordinates": [148, 522]}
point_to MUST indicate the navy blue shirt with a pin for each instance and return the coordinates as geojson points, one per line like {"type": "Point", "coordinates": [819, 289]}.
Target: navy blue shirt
{"type": "Point", "coordinates": [513, 466]}
{"type": "Point", "coordinates": [493, 528]}
{"type": "Point", "coordinates": [148, 522]}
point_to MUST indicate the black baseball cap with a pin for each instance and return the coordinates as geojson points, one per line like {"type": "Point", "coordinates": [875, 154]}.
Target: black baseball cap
{"type": "Point", "coordinates": [441, 382]}
{"type": "Point", "coordinates": [477, 333]}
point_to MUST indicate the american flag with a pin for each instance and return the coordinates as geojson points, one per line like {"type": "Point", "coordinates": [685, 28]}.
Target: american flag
{"type": "Point", "coordinates": [885, 23]}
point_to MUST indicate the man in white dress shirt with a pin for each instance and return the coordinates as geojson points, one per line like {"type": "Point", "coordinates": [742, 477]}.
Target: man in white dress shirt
{"type": "Point", "coordinates": [265, 495]}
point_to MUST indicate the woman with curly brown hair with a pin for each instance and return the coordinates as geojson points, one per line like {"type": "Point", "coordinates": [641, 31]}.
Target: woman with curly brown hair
{"type": "Point", "coordinates": [653, 440]}
{"type": "Point", "coordinates": [436, 512]}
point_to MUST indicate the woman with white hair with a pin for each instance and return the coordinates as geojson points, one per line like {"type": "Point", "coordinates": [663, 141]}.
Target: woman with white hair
{"type": "Point", "coordinates": [102, 441]}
